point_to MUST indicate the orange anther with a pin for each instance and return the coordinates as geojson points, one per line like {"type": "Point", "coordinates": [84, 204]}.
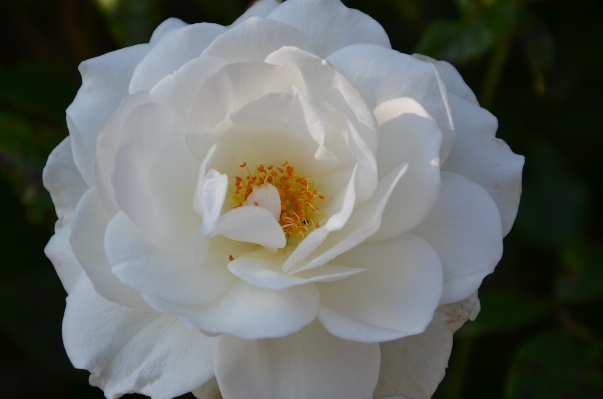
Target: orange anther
{"type": "Point", "coordinates": [231, 257]}
{"type": "Point", "coordinates": [243, 164]}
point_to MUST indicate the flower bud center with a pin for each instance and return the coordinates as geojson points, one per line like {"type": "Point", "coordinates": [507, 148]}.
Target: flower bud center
{"type": "Point", "coordinates": [299, 212]}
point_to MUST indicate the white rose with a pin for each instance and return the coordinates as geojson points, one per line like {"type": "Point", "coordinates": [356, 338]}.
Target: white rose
{"type": "Point", "coordinates": [286, 204]}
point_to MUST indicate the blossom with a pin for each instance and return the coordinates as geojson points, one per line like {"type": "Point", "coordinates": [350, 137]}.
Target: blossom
{"type": "Point", "coordinates": [282, 208]}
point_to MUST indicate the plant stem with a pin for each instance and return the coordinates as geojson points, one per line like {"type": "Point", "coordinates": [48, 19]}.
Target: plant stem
{"type": "Point", "coordinates": [495, 68]}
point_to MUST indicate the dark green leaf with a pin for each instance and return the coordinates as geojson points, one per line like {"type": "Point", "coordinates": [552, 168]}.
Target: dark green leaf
{"type": "Point", "coordinates": [557, 366]}
{"type": "Point", "coordinates": [582, 279]}
{"type": "Point", "coordinates": [505, 310]}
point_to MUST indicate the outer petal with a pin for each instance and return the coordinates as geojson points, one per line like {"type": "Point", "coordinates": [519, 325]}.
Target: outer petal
{"type": "Point", "coordinates": [133, 351]}
{"type": "Point", "coordinates": [250, 312]}
{"type": "Point", "coordinates": [309, 364]}
{"type": "Point", "coordinates": [330, 25]}
{"type": "Point", "coordinates": [166, 26]}
{"type": "Point", "coordinates": [260, 8]}
{"type": "Point", "coordinates": [209, 390]}
{"type": "Point", "coordinates": [104, 84]}
{"type": "Point", "coordinates": [465, 228]}
{"type": "Point", "coordinates": [451, 77]}
{"type": "Point", "coordinates": [480, 157]}
{"type": "Point", "coordinates": [176, 48]}
{"type": "Point", "coordinates": [382, 74]}
{"type": "Point", "coordinates": [66, 186]}
{"type": "Point", "coordinates": [254, 39]}
{"type": "Point", "coordinates": [87, 237]}
{"type": "Point", "coordinates": [408, 134]}
{"type": "Point", "coordinates": [154, 176]}
{"type": "Point", "coordinates": [413, 367]}
{"type": "Point", "coordinates": [394, 298]}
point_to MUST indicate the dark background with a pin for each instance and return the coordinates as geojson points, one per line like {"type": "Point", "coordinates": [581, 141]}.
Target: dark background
{"type": "Point", "coordinates": [536, 65]}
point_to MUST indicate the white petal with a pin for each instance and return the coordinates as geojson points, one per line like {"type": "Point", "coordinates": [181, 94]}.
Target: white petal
{"type": "Point", "coordinates": [254, 39]}
{"type": "Point", "coordinates": [451, 78]}
{"type": "Point", "coordinates": [363, 223]}
{"type": "Point", "coordinates": [209, 197]}
{"type": "Point", "coordinates": [325, 84]}
{"type": "Point", "coordinates": [251, 224]}
{"type": "Point", "coordinates": [107, 146]}
{"type": "Point", "coordinates": [66, 186]}
{"type": "Point", "coordinates": [309, 364]}
{"type": "Point", "coordinates": [482, 158]}
{"type": "Point", "coordinates": [407, 135]}
{"type": "Point", "coordinates": [179, 90]}
{"type": "Point", "coordinates": [154, 176]}
{"type": "Point", "coordinates": [265, 196]}
{"type": "Point", "coordinates": [171, 274]}
{"type": "Point", "coordinates": [465, 228]}
{"type": "Point", "coordinates": [414, 366]}
{"type": "Point", "coordinates": [250, 312]}
{"type": "Point", "coordinates": [394, 298]}
{"type": "Point", "coordinates": [129, 350]}
{"type": "Point", "coordinates": [58, 250]}
{"type": "Point", "coordinates": [164, 27]}
{"type": "Point", "coordinates": [344, 206]}
{"type": "Point", "coordinates": [104, 84]}
{"type": "Point", "coordinates": [382, 74]}
{"type": "Point", "coordinates": [330, 24]}
{"type": "Point", "coordinates": [260, 8]}
{"type": "Point", "coordinates": [174, 49]}
{"type": "Point", "coordinates": [64, 182]}
{"type": "Point", "coordinates": [264, 269]}
{"type": "Point", "coordinates": [87, 238]}
{"type": "Point", "coordinates": [209, 390]}
{"type": "Point", "coordinates": [235, 85]}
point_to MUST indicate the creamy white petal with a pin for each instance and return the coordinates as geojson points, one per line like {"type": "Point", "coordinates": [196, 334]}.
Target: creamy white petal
{"type": "Point", "coordinates": [179, 90]}
{"type": "Point", "coordinates": [250, 312]}
{"type": "Point", "coordinates": [344, 206]}
{"type": "Point", "coordinates": [330, 25]}
{"type": "Point", "coordinates": [154, 176]}
{"type": "Point", "coordinates": [254, 39]}
{"type": "Point", "coordinates": [451, 78]}
{"type": "Point", "coordinates": [251, 224]}
{"type": "Point", "coordinates": [309, 364]}
{"type": "Point", "coordinates": [178, 275]}
{"type": "Point", "coordinates": [465, 228]}
{"type": "Point", "coordinates": [363, 223]}
{"type": "Point", "coordinates": [482, 158]}
{"type": "Point", "coordinates": [409, 135]}
{"type": "Point", "coordinates": [133, 351]}
{"type": "Point", "coordinates": [107, 146]}
{"type": "Point", "coordinates": [396, 296]}
{"type": "Point", "coordinates": [164, 27]}
{"type": "Point", "coordinates": [260, 8]}
{"type": "Point", "coordinates": [104, 84]}
{"type": "Point", "coordinates": [413, 367]}
{"type": "Point", "coordinates": [325, 84]}
{"type": "Point", "coordinates": [87, 237]}
{"type": "Point", "coordinates": [174, 49]}
{"type": "Point", "coordinates": [265, 196]}
{"type": "Point", "coordinates": [209, 197]}
{"type": "Point", "coordinates": [235, 85]}
{"type": "Point", "coordinates": [382, 74]}
{"type": "Point", "coordinates": [264, 269]}
{"type": "Point", "coordinates": [66, 186]}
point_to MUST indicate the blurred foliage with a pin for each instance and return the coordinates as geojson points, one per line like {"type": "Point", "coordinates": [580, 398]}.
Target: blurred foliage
{"type": "Point", "coordinates": [535, 64]}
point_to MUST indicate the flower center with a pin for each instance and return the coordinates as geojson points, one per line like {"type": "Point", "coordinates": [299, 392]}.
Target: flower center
{"type": "Point", "coordinates": [299, 199]}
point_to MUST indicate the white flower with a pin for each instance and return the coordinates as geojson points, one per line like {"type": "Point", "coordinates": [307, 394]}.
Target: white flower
{"type": "Point", "coordinates": [286, 204]}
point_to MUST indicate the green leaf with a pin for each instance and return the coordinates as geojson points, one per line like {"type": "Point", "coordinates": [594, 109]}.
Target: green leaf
{"type": "Point", "coordinates": [557, 366]}
{"type": "Point", "coordinates": [582, 278]}
{"type": "Point", "coordinates": [505, 310]}
{"type": "Point", "coordinates": [480, 27]}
